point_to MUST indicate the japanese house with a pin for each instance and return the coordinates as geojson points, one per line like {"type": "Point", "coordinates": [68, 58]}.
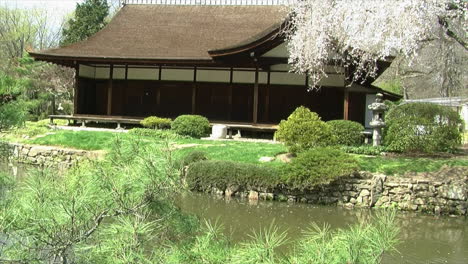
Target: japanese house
{"type": "Point", "coordinates": [227, 63]}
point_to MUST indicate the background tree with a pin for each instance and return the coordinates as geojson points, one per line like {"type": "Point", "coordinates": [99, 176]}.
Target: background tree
{"type": "Point", "coordinates": [358, 33]}
{"type": "Point", "coordinates": [90, 17]}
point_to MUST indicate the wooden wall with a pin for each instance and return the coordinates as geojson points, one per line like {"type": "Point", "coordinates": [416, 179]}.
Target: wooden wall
{"type": "Point", "coordinates": [216, 101]}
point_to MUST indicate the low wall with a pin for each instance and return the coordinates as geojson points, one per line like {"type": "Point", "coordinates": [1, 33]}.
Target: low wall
{"type": "Point", "coordinates": [49, 155]}
{"type": "Point", "coordinates": [372, 190]}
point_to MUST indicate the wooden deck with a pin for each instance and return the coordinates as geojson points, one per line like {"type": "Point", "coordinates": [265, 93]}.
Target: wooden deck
{"type": "Point", "coordinates": [119, 120]}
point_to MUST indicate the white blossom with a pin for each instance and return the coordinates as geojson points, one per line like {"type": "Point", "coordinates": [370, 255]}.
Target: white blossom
{"type": "Point", "coordinates": [356, 34]}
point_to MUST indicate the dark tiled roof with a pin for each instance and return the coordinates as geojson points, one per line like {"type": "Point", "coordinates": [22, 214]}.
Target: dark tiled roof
{"type": "Point", "coordinates": [175, 32]}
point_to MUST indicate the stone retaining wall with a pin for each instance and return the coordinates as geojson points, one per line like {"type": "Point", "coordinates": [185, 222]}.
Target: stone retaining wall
{"type": "Point", "coordinates": [372, 190]}
{"type": "Point", "coordinates": [50, 156]}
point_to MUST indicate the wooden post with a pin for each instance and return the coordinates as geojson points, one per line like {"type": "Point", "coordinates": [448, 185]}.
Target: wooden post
{"type": "Point", "coordinates": [346, 104]}
{"type": "Point", "coordinates": [158, 91]}
{"type": "Point", "coordinates": [267, 99]}
{"type": "Point", "coordinates": [77, 89]}
{"type": "Point", "coordinates": [123, 100]}
{"type": "Point", "coordinates": [194, 91]}
{"type": "Point", "coordinates": [230, 94]}
{"type": "Point", "coordinates": [109, 90]}
{"type": "Point", "coordinates": [255, 97]}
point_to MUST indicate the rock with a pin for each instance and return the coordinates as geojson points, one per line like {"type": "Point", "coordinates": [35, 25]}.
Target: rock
{"type": "Point", "coordinates": [266, 159]}
{"type": "Point", "coordinates": [292, 199]}
{"type": "Point", "coordinates": [282, 198]}
{"type": "Point", "coordinates": [33, 152]}
{"type": "Point", "coordinates": [217, 191]}
{"type": "Point", "coordinates": [286, 158]}
{"type": "Point", "coordinates": [266, 196]}
{"type": "Point", "coordinates": [353, 200]}
{"type": "Point", "coordinates": [418, 201]}
{"type": "Point", "coordinates": [437, 210]}
{"type": "Point", "coordinates": [231, 190]}
{"type": "Point", "coordinates": [453, 192]}
{"type": "Point", "coordinates": [253, 195]}
{"type": "Point", "coordinates": [364, 193]}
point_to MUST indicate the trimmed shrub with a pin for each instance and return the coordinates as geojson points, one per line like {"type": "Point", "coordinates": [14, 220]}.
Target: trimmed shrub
{"type": "Point", "coordinates": [347, 132]}
{"type": "Point", "coordinates": [157, 134]}
{"type": "Point", "coordinates": [155, 122]}
{"type": "Point", "coordinates": [319, 166]}
{"type": "Point", "coordinates": [207, 174]}
{"type": "Point", "coordinates": [191, 125]}
{"type": "Point", "coordinates": [304, 130]}
{"type": "Point", "coordinates": [422, 127]}
{"type": "Point", "coordinates": [193, 157]}
{"type": "Point", "coordinates": [364, 149]}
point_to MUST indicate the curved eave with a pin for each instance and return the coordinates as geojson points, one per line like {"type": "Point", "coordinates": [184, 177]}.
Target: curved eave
{"type": "Point", "coordinates": [263, 42]}
{"type": "Point", "coordinates": [70, 61]}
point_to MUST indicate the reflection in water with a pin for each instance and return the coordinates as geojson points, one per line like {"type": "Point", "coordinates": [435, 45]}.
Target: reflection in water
{"type": "Point", "coordinates": [425, 238]}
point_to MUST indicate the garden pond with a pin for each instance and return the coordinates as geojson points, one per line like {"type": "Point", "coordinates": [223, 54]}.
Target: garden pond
{"type": "Point", "coordinates": [424, 238]}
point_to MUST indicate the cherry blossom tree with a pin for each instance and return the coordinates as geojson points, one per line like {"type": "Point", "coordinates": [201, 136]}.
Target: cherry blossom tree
{"type": "Point", "coordinates": [356, 34]}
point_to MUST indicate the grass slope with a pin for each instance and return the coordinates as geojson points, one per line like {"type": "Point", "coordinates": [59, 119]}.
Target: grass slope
{"type": "Point", "coordinates": [247, 152]}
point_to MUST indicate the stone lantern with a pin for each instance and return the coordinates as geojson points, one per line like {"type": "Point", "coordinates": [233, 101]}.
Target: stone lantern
{"type": "Point", "coordinates": [378, 108]}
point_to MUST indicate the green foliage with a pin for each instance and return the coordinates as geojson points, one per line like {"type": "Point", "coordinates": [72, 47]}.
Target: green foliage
{"type": "Point", "coordinates": [191, 125]}
{"type": "Point", "coordinates": [62, 217]}
{"type": "Point", "coordinates": [319, 166]}
{"type": "Point", "coordinates": [12, 114]}
{"type": "Point", "coordinates": [204, 175]}
{"type": "Point", "coordinates": [262, 248]}
{"type": "Point", "coordinates": [304, 130]}
{"type": "Point", "coordinates": [422, 127]}
{"type": "Point", "coordinates": [12, 108]}
{"type": "Point", "coordinates": [193, 157]}
{"type": "Point", "coordinates": [155, 122]}
{"type": "Point", "coordinates": [155, 134]}
{"type": "Point", "coordinates": [364, 150]}
{"type": "Point", "coordinates": [347, 132]}
{"type": "Point", "coordinates": [364, 243]}
{"type": "Point", "coordinates": [210, 247]}
{"type": "Point", "coordinates": [89, 18]}
{"type": "Point", "coordinates": [402, 165]}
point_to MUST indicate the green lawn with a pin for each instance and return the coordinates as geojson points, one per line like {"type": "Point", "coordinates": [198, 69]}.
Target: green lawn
{"type": "Point", "coordinates": [88, 140]}
{"type": "Point", "coordinates": [248, 152]}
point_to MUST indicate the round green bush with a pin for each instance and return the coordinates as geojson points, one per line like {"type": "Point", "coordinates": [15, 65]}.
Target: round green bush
{"type": "Point", "coordinates": [191, 125]}
{"type": "Point", "coordinates": [319, 166]}
{"type": "Point", "coordinates": [347, 132]}
{"type": "Point", "coordinates": [422, 127]}
{"type": "Point", "coordinates": [304, 130]}
{"type": "Point", "coordinates": [156, 122]}
{"type": "Point", "coordinates": [193, 157]}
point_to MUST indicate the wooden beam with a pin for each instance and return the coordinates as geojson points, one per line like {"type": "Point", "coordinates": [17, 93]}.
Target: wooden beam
{"type": "Point", "coordinates": [109, 90]}
{"type": "Point", "coordinates": [346, 104]}
{"type": "Point", "coordinates": [194, 91]}
{"type": "Point", "coordinates": [255, 98]}
{"type": "Point", "coordinates": [76, 90]}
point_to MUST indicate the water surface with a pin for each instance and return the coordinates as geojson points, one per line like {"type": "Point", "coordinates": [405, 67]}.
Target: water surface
{"type": "Point", "coordinates": [424, 238]}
